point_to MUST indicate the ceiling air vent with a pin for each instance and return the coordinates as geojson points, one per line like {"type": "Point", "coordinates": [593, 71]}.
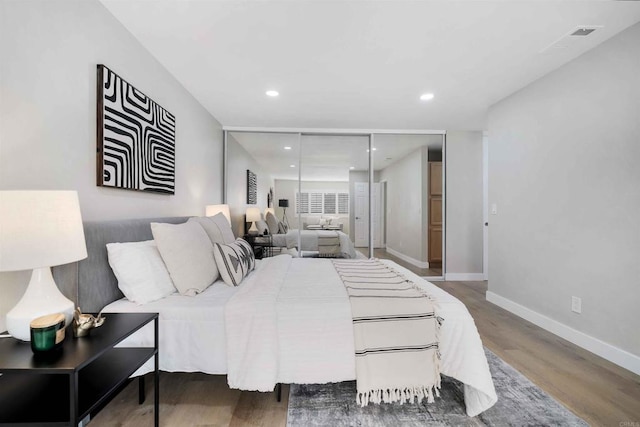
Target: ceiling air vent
{"type": "Point", "coordinates": [583, 32]}
{"type": "Point", "coordinates": [572, 38]}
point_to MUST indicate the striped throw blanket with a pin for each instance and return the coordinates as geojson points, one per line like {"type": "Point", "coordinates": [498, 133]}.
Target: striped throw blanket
{"type": "Point", "coordinates": [395, 331]}
{"type": "Point", "coordinates": [328, 244]}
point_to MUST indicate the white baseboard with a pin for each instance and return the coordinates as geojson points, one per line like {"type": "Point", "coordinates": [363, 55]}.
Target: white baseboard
{"type": "Point", "coordinates": [606, 351]}
{"type": "Point", "coordinates": [412, 261]}
{"type": "Point", "coordinates": [464, 277]}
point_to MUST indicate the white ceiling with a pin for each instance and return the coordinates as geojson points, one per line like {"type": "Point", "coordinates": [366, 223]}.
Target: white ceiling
{"type": "Point", "coordinates": [362, 64]}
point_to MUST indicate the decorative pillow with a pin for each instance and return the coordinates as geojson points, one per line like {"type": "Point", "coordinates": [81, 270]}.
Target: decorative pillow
{"type": "Point", "coordinates": [141, 273]}
{"type": "Point", "coordinates": [324, 221]}
{"type": "Point", "coordinates": [272, 222]}
{"type": "Point", "coordinates": [188, 254]}
{"type": "Point", "coordinates": [217, 227]}
{"type": "Point", "coordinates": [234, 261]}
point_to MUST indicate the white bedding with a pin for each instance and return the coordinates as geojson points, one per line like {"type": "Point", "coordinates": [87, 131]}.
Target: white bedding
{"type": "Point", "coordinates": [309, 241]}
{"type": "Point", "coordinates": [304, 337]}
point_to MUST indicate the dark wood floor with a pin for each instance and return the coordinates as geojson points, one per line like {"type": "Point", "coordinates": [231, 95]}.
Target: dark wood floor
{"type": "Point", "coordinates": [600, 392]}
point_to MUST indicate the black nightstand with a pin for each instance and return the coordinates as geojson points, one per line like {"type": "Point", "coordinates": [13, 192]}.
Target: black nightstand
{"type": "Point", "coordinates": [262, 244]}
{"type": "Point", "coordinates": [76, 381]}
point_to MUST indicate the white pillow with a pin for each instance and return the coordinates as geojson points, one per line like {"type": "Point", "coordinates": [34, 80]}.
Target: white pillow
{"type": "Point", "coordinates": [234, 261]}
{"type": "Point", "coordinates": [188, 254]}
{"type": "Point", "coordinates": [141, 273]}
{"type": "Point", "coordinates": [217, 227]}
{"type": "Point", "coordinates": [262, 226]}
{"type": "Point", "coordinates": [272, 222]}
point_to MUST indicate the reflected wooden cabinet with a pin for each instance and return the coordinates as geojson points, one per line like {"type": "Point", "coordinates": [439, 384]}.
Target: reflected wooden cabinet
{"type": "Point", "coordinates": [435, 244]}
{"type": "Point", "coordinates": [435, 179]}
{"type": "Point", "coordinates": [435, 212]}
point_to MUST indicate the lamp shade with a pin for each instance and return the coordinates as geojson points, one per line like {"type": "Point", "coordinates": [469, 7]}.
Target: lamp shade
{"type": "Point", "coordinates": [40, 229]}
{"type": "Point", "coordinates": [212, 210]}
{"type": "Point", "coordinates": [283, 203]}
{"type": "Point", "coordinates": [253, 214]}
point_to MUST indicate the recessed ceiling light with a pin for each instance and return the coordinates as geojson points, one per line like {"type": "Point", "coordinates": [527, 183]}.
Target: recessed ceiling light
{"type": "Point", "coordinates": [287, 148]}
{"type": "Point", "coordinates": [426, 97]}
{"type": "Point", "coordinates": [292, 166]}
{"type": "Point", "coordinates": [272, 93]}
{"type": "Point", "coordinates": [374, 149]}
{"type": "Point", "coordinates": [352, 167]}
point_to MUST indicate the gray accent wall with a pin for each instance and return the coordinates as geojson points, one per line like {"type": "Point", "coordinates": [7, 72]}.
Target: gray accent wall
{"type": "Point", "coordinates": [564, 174]}
{"type": "Point", "coordinates": [49, 53]}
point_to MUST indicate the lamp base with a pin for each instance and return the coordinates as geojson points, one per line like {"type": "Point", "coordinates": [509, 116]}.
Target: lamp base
{"type": "Point", "coordinates": [42, 297]}
{"type": "Point", "coordinates": [254, 229]}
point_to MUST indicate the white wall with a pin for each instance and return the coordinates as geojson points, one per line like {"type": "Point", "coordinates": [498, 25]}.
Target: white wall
{"type": "Point", "coordinates": [564, 173]}
{"type": "Point", "coordinates": [49, 52]}
{"type": "Point", "coordinates": [238, 161]}
{"type": "Point", "coordinates": [407, 231]}
{"type": "Point", "coordinates": [464, 205]}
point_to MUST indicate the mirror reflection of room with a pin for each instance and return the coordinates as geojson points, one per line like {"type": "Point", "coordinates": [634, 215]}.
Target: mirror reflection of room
{"type": "Point", "coordinates": [407, 201]}
{"type": "Point", "coordinates": [317, 186]}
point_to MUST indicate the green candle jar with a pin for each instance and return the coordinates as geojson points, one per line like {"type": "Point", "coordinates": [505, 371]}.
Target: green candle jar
{"type": "Point", "coordinates": [47, 332]}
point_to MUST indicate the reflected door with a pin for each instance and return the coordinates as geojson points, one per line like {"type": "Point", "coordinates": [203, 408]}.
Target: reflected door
{"type": "Point", "coordinates": [362, 214]}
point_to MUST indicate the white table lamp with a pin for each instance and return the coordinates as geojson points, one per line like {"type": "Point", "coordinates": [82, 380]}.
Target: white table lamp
{"type": "Point", "coordinates": [253, 215]}
{"type": "Point", "coordinates": [38, 230]}
{"type": "Point", "coordinates": [212, 210]}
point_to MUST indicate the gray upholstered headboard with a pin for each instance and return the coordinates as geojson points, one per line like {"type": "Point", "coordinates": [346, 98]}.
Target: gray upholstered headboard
{"type": "Point", "coordinates": [96, 285]}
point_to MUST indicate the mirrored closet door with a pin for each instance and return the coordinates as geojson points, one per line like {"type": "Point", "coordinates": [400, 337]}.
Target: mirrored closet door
{"type": "Point", "coordinates": [322, 181]}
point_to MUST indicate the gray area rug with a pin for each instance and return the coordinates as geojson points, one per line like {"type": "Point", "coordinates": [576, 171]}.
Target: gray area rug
{"type": "Point", "coordinates": [520, 403]}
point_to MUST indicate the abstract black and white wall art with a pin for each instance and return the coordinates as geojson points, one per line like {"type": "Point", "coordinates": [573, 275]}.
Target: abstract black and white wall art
{"type": "Point", "coordinates": [136, 138]}
{"type": "Point", "coordinates": [252, 188]}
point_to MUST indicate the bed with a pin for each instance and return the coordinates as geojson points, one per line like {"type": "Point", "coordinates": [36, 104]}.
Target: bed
{"type": "Point", "coordinates": [309, 242]}
{"type": "Point", "coordinates": [311, 307]}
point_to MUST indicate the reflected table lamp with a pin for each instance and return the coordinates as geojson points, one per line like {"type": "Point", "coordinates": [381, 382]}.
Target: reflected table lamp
{"type": "Point", "coordinates": [39, 230]}
{"type": "Point", "coordinates": [253, 215]}
{"type": "Point", "coordinates": [212, 210]}
{"type": "Point", "coordinates": [284, 204]}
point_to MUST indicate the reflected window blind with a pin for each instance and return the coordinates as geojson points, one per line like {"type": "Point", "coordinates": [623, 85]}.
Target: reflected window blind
{"type": "Point", "coordinates": [315, 203]}
{"type": "Point", "coordinates": [330, 203]}
{"type": "Point", "coordinates": [302, 203]}
{"type": "Point", "coordinates": [343, 203]}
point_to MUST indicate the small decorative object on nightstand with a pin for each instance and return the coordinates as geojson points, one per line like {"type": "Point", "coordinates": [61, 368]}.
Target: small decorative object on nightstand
{"type": "Point", "coordinates": [84, 323]}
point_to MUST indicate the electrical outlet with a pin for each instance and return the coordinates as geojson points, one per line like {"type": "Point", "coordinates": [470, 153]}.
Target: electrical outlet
{"type": "Point", "coordinates": [576, 305]}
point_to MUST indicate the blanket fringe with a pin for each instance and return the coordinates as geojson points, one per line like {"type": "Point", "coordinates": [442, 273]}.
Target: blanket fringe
{"type": "Point", "coordinates": [408, 395]}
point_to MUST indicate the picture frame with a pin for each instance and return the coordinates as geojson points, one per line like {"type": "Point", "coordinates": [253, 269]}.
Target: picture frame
{"type": "Point", "coordinates": [252, 188]}
{"type": "Point", "coordinates": [135, 138]}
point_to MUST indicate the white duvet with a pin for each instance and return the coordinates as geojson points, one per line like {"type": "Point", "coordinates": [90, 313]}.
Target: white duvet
{"type": "Point", "coordinates": [309, 242]}
{"type": "Point", "coordinates": [290, 322]}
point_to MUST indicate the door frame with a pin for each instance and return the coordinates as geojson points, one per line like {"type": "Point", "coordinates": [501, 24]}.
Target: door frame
{"type": "Point", "coordinates": [485, 205]}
